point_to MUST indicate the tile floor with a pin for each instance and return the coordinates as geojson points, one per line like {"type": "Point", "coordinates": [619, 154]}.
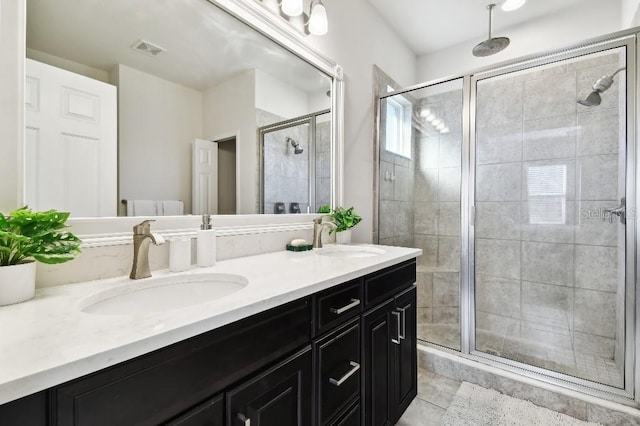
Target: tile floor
{"type": "Point", "coordinates": [435, 393]}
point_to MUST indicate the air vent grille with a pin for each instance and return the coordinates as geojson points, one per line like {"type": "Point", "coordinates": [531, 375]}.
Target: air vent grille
{"type": "Point", "coordinates": [148, 48]}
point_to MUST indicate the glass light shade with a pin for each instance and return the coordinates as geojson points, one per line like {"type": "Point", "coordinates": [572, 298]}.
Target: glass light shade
{"type": "Point", "coordinates": [430, 117]}
{"type": "Point", "coordinates": [292, 7]}
{"type": "Point", "coordinates": [510, 5]}
{"type": "Point", "coordinates": [424, 112]}
{"type": "Point", "coordinates": [436, 122]}
{"type": "Point", "coordinates": [318, 22]}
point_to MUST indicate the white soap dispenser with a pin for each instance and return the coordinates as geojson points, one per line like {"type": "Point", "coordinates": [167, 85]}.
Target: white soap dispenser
{"type": "Point", "coordinates": [206, 243]}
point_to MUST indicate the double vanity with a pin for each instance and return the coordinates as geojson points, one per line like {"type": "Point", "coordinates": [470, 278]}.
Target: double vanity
{"type": "Point", "coordinates": [324, 337]}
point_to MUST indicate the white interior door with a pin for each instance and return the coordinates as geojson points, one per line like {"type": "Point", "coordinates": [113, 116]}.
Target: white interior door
{"type": "Point", "coordinates": [70, 142]}
{"type": "Point", "coordinates": [205, 177]}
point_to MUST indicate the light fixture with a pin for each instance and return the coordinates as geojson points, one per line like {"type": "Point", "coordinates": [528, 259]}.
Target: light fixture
{"type": "Point", "coordinates": [444, 130]}
{"type": "Point", "coordinates": [511, 5]}
{"type": "Point", "coordinates": [318, 22]}
{"type": "Point", "coordinates": [430, 117]}
{"type": "Point", "coordinates": [292, 7]}
{"type": "Point", "coordinates": [424, 112]}
{"type": "Point", "coordinates": [436, 123]}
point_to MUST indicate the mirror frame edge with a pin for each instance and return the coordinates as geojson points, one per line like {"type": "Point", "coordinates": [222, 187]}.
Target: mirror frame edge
{"type": "Point", "coordinates": [109, 231]}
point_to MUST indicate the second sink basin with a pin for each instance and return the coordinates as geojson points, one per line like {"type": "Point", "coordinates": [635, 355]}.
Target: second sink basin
{"type": "Point", "coordinates": [337, 250]}
{"type": "Point", "coordinates": [163, 294]}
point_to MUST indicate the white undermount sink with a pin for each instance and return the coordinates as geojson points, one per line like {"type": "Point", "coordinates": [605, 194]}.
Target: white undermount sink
{"type": "Point", "coordinates": [162, 294]}
{"type": "Point", "coordinates": [337, 250]}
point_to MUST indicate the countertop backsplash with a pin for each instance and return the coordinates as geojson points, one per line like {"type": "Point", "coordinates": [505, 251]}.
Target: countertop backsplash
{"type": "Point", "coordinates": [241, 237]}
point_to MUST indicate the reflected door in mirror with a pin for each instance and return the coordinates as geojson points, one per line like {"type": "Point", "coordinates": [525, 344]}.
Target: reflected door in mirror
{"type": "Point", "coordinates": [70, 143]}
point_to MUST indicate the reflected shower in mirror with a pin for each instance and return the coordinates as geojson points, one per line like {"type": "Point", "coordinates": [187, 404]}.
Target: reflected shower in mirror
{"type": "Point", "coordinates": [295, 164]}
{"type": "Point", "coordinates": [142, 101]}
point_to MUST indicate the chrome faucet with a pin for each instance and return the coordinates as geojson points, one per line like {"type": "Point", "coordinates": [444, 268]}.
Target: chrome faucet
{"type": "Point", "coordinates": [318, 226]}
{"type": "Point", "coordinates": [142, 237]}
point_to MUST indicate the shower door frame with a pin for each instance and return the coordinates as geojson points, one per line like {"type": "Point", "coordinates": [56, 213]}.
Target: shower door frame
{"type": "Point", "coordinates": [628, 395]}
{"type": "Point", "coordinates": [468, 288]}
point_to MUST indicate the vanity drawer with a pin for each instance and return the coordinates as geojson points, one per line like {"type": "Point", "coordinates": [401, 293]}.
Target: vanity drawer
{"type": "Point", "coordinates": [156, 387]}
{"type": "Point", "coordinates": [338, 371]}
{"type": "Point", "coordinates": [351, 416]}
{"type": "Point", "coordinates": [334, 306]}
{"type": "Point", "coordinates": [386, 283]}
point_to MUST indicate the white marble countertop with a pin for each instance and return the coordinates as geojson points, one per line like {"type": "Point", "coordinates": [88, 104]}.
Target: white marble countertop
{"type": "Point", "coordinates": [49, 340]}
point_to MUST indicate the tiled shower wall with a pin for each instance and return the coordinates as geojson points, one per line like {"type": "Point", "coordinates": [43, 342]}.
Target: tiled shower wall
{"type": "Point", "coordinates": [546, 263]}
{"type": "Point", "coordinates": [437, 218]}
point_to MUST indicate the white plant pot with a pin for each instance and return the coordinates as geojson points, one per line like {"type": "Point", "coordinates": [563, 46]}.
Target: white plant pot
{"type": "Point", "coordinates": [343, 237]}
{"type": "Point", "coordinates": [17, 283]}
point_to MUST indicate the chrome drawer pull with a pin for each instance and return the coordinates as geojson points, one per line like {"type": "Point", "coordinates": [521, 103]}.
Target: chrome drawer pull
{"type": "Point", "coordinates": [404, 323]}
{"type": "Point", "coordinates": [353, 304]}
{"type": "Point", "coordinates": [243, 418]}
{"type": "Point", "coordinates": [397, 315]}
{"type": "Point", "coordinates": [350, 373]}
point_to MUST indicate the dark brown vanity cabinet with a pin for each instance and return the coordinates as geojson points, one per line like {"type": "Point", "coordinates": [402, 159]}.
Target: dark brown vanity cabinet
{"type": "Point", "coordinates": [345, 356]}
{"type": "Point", "coordinates": [389, 342]}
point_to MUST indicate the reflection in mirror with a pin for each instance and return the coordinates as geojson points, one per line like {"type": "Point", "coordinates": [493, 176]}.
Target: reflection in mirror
{"type": "Point", "coordinates": [295, 161]}
{"type": "Point", "coordinates": [153, 107]}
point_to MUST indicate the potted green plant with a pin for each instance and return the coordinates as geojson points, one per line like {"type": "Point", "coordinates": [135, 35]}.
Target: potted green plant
{"type": "Point", "coordinates": [26, 237]}
{"type": "Point", "coordinates": [344, 219]}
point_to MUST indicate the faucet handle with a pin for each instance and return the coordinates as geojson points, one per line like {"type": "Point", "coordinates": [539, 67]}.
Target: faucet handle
{"type": "Point", "coordinates": [143, 228]}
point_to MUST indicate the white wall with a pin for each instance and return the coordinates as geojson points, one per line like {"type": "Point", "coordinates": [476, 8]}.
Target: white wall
{"type": "Point", "coordinates": [629, 13]}
{"type": "Point", "coordinates": [593, 18]}
{"type": "Point", "coordinates": [157, 123]}
{"type": "Point", "coordinates": [65, 64]}
{"type": "Point", "coordinates": [358, 38]}
{"type": "Point", "coordinates": [229, 109]}
{"type": "Point", "coordinates": [278, 97]}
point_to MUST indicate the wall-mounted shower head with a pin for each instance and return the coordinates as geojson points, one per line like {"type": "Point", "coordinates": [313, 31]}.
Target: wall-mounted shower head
{"type": "Point", "coordinates": [296, 146]}
{"type": "Point", "coordinates": [601, 85]}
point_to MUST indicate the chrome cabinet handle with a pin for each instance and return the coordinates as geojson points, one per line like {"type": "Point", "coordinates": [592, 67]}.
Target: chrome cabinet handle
{"type": "Point", "coordinates": [401, 335]}
{"type": "Point", "coordinates": [353, 304]}
{"type": "Point", "coordinates": [245, 419]}
{"type": "Point", "coordinates": [397, 315]}
{"type": "Point", "coordinates": [355, 367]}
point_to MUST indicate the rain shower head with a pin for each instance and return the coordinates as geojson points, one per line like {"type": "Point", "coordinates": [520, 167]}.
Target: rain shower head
{"type": "Point", "coordinates": [296, 146]}
{"type": "Point", "coordinates": [601, 85]}
{"type": "Point", "coordinates": [492, 45]}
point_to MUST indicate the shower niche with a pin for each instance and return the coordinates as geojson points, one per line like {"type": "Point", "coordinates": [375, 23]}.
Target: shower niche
{"type": "Point", "coordinates": [515, 182]}
{"type": "Point", "coordinates": [295, 163]}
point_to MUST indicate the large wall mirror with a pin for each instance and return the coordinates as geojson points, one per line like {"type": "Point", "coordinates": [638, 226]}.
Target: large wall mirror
{"type": "Point", "coordinates": [165, 107]}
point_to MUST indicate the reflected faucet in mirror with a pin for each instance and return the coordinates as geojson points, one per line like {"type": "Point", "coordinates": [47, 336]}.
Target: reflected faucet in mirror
{"type": "Point", "coordinates": [142, 238]}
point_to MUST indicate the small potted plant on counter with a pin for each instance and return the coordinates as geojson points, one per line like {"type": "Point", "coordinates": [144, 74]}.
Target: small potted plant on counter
{"type": "Point", "coordinates": [345, 219]}
{"type": "Point", "coordinates": [26, 237]}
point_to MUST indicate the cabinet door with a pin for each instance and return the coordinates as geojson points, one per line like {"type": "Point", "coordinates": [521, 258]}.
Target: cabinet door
{"type": "Point", "coordinates": [209, 413]}
{"type": "Point", "coordinates": [378, 328]}
{"type": "Point", "coordinates": [406, 376]}
{"type": "Point", "coordinates": [281, 396]}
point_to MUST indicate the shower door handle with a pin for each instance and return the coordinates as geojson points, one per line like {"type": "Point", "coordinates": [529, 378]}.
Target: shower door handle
{"type": "Point", "coordinates": [619, 211]}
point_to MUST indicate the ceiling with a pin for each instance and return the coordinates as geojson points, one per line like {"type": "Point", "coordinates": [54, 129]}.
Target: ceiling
{"type": "Point", "coordinates": [431, 25]}
{"type": "Point", "coordinates": [204, 45]}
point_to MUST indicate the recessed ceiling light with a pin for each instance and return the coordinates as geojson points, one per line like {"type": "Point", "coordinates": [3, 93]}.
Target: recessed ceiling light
{"type": "Point", "coordinates": [510, 5]}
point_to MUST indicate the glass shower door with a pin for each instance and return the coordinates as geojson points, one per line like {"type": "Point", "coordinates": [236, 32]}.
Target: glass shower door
{"type": "Point", "coordinates": [549, 234]}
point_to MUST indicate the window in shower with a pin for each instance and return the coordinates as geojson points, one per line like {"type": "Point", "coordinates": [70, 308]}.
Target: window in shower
{"type": "Point", "coordinates": [419, 198]}
{"type": "Point", "coordinates": [398, 126]}
{"type": "Point", "coordinates": [549, 265]}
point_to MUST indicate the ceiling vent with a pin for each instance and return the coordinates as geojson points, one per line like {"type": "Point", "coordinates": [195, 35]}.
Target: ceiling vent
{"type": "Point", "coordinates": [147, 48]}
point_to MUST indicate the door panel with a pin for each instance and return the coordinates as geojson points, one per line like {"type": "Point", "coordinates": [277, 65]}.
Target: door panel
{"type": "Point", "coordinates": [71, 142]}
{"type": "Point", "coordinates": [549, 232]}
{"type": "Point", "coordinates": [205, 177]}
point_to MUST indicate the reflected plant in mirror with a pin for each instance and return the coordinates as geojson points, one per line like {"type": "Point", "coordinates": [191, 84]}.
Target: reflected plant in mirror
{"type": "Point", "coordinates": [155, 114]}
